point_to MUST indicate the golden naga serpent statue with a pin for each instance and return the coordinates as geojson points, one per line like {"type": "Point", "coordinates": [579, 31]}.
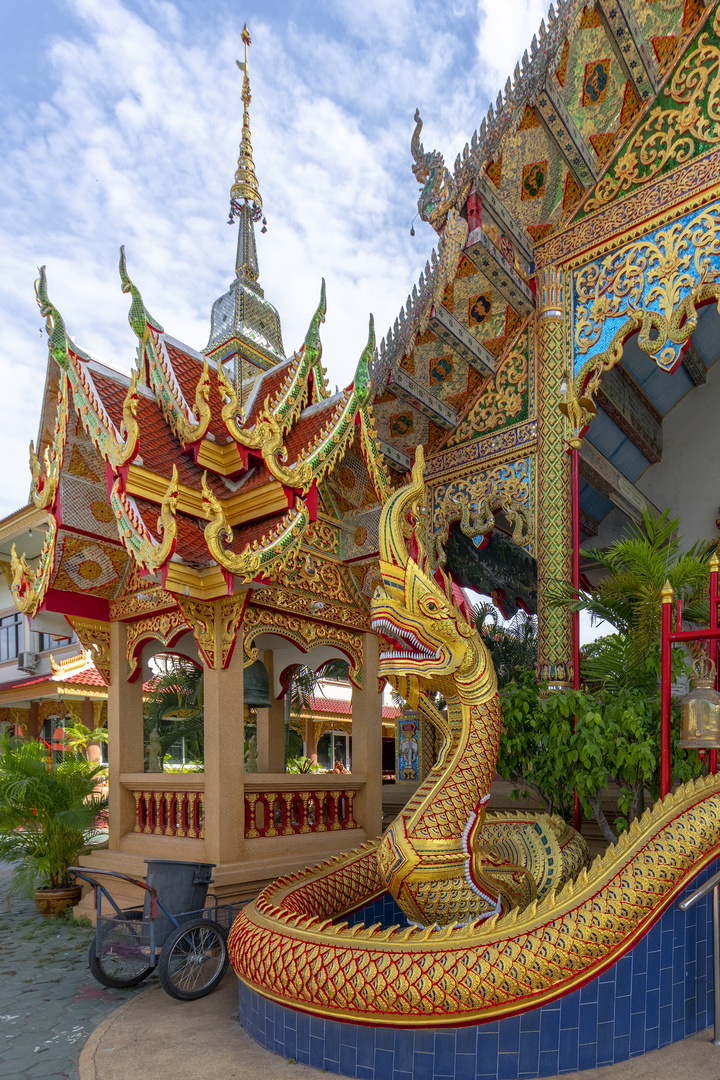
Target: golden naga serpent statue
{"type": "Point", "coordinates": [503, 913]}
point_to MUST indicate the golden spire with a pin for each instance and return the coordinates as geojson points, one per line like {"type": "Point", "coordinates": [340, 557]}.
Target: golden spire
{"type": "Point", "coordinates": [245, 191]}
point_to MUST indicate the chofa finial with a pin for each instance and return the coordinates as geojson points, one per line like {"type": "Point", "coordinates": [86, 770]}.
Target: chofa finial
{"type": "Point", "coordinates": [245, 190]}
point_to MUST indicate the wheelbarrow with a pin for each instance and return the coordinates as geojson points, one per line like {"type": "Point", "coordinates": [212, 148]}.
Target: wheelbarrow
{"type": "Point", "coordinates": [175, 931]}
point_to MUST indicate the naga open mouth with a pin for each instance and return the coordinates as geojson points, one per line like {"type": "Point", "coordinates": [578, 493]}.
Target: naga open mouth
{"type": "Point", "coordinates": [393, 634]}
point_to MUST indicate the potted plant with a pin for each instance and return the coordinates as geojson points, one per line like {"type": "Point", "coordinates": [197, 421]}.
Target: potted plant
{"type": "Point", "coordinates": [48, 813]}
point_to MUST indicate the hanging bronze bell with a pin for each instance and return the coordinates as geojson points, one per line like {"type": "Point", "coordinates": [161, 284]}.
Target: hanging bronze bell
{"type": "Point", "coordinates": [700, 710]}
{"type": "Point", "coordinates": [256, 686]}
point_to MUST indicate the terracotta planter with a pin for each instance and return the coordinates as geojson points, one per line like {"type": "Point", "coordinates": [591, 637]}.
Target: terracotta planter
{"type": "Point", "coordinates": [53, 901]}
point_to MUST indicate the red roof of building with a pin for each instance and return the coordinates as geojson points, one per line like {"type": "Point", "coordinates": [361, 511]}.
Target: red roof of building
{"type": "Point", "coordinates": [343, 707]}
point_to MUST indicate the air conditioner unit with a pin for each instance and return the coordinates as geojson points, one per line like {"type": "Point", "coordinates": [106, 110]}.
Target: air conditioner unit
{"type": "Point", "coordinates": [28, 661]}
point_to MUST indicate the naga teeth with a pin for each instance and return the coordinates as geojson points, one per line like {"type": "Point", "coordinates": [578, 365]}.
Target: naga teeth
{"type": "Point", "coordinates": [420, 651]}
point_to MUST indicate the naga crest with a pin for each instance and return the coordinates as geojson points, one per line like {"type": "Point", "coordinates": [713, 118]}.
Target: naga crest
{"type": "Point", "coordinates": [439, 191]}
{"type": "Point", "coordinates": [423, 612]}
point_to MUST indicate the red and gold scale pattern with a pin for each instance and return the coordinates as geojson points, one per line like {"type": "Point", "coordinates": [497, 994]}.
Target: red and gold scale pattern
{"type": "Point", "coordinates": [286, 947]}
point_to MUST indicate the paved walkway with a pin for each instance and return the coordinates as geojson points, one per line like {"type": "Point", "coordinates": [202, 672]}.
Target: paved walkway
{"type": "Point", "coordinates": [49, 1001]}
{"type": "Point", "coordinates": [57, 1022]}
{"type": "Point", "coordinates": [155, 1037]}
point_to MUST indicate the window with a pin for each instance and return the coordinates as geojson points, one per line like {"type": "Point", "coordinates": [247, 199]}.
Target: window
{"type": "Point", "coordinates": [45, 642]}
{"type": "Point", "coordinates": [10, 636]}
{"type": "Point", "coordinates": [334, 747]}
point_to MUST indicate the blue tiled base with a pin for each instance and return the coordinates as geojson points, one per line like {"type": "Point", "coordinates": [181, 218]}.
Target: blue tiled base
{"type": "Point", "coordinates": [658, 993]}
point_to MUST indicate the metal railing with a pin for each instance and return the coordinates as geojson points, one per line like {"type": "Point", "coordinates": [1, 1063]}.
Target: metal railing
{"type": "Point", "coordinates": [714, 884]}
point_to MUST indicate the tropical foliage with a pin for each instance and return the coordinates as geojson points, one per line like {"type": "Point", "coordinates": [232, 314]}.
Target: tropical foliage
{"type": "Point", "coordinates": [627, 596]}
{"type": "Point", "coordinates": [609, 732]}
{"type": "Point", "coordinates": [574, 739]}
{"type": "Point", "coordinates": [174, 708]}
{"type": "Point", "coordinates": [512, 646]}
{"type": "Point", "coordinates": [78, 737]}
{"type": "Point", "coordinates": [47, 814]}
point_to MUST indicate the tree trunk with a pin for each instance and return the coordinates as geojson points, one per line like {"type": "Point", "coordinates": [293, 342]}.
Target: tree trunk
{"type": "Point", "coordinates": [602, 821]}
{"type": "Point", "coordinates": [636, 807]}
{"type": "Point", "coordinates": [547, 801]}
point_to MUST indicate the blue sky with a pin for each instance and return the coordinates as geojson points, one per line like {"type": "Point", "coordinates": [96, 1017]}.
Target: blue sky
{"type": "Point", "coordinates": [120, 123]}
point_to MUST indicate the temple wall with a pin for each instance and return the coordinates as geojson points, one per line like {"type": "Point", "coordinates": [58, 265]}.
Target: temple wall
{"type": "Point", "coordinates": [686, 479]}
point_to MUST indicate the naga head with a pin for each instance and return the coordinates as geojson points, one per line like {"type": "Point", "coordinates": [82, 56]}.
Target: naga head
{"type": "Point", "coordinates": [423, 612]}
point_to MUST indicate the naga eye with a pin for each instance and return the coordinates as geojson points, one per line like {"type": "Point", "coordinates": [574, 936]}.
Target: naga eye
{"type": "Point", "coordinates": [430, 605]}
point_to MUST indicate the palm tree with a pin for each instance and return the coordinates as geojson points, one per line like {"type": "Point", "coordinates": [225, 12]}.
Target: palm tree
{"type": "Point", "coordinates": [512, 646]}
{"type": "Point", "coordinates": [47, 814]}
{"type": "Point", "coordinates": [628, 598]}
{"type": "Point", "coordinates": [177, 693]}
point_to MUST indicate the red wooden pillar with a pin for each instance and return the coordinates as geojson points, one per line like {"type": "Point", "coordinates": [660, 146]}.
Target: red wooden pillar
{"type": "Point", "coordinates": [665, 688]}
{"type": "Point", "coordinates": [713, 645]}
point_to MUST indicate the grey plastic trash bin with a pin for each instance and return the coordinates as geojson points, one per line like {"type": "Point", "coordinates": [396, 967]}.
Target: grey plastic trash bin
{"type": "Point", "coordinates": [181, 886]}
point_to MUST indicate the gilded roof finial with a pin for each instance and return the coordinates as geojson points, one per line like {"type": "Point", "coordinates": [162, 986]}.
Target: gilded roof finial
{"type": "Point", "coordinates": [245, 191]}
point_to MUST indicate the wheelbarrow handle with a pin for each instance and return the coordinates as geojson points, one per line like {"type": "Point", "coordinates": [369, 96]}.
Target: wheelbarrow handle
{"type": "Point", "coordinates": [79, 871]}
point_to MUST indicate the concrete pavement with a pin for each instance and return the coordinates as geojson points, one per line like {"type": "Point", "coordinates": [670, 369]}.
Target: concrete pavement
{"type": "Point", "coordinates": [57, 1023]}
{"type": "Point", "coordinates": [49, 1001]}
{"type": "Point", "coordinates": [154, 1037]}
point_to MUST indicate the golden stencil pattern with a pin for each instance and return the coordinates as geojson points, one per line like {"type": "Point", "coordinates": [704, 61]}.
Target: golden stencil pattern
{"type": "Point", "coordinates": [306, 633]}
{"type": "Point", "coordinates": [685, 123]}
{"type": "Point", "coordinates": [501, 400]}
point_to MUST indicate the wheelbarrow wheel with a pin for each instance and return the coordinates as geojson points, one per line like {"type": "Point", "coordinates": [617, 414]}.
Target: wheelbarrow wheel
{"type": "Point", "coordinates": [117, 956]}
{"type": "Point", "coordinates": [193, 960]}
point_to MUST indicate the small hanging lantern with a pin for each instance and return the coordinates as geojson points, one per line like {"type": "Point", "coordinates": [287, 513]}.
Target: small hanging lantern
{"type": "Point", "coordinates": [700, 709]}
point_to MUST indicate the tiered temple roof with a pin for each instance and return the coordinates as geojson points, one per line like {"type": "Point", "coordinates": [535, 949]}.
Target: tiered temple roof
{"type": "Point", "coordinates": [202, 472]}
{"type": "Point", "coordinates": [453, 364]}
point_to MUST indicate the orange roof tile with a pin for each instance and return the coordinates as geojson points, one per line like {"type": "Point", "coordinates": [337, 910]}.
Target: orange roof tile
{"type": "Point", "coordinates": [343, 707]}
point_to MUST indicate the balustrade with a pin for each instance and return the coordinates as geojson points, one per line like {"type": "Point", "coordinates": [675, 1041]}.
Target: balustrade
{"type": "Point", "coordinates": [169, 813]}
{"type": "Point", "coordinates": [286, 813]}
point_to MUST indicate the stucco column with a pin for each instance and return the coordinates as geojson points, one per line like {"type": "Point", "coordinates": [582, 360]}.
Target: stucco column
{"type": "Point", "coordinates": [271, 729]}
{"type": "Point", "coordinates": [224, 813]}
{"type": "Point", "coordinates": [554, 534]}
{"type": "Point", "coordinates": [33, 720]}
{"type": "Point", "coordinates": [310, 741]}
{"type": "Point", "coordinates": [125, 736]}
{"type": "Point", "coordinates": [94, 751]}
{"type": "Point", "coordinates": [367, 740]}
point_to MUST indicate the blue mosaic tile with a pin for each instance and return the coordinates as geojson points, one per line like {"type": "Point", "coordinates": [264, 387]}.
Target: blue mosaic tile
{"type": "Point", "coordinates": [568, 1049]}
{"type": "Point", "coordinates": [466, 1039]}
{"type": "Point", "coordinates": [424, 1041]}
{"type": "Point", "coordinates": [404, 1046]}
{"type": "Point", "coordinates": [384, 1063]}
{"type": "Point", "coordinates": [508, 1066]}
{"type": "Point", "coordinates": [509, 1035]}
{"type": "Point", "coordinates": [588, 1022]}
{"type": "Point", "coordinates": [659, 992]}
{"type": "Point", "coordinates": [465, 1067]}
{"type": "Point", "coordinates": [622, 1015]}
{"type": "Point", "coordinates": [348, 1060]}
{"type": "Point", "coordinates": [422, 1066]}
{"type": "Point", "coordinates": [587, 1056]}
{"type": "Point", "coordinates": [605, 1040]}
{"type": "Point", "coordinates": [548, 1063]}
{"type": "Point", "coordinates": [529, 1051]}
{"type": "Point", "coordinates": [569, 1011]}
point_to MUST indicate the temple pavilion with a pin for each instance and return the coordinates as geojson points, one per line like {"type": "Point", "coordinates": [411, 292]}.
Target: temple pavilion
{"type": "Point", "coordinates": [556, 358]}
{"type": "Point", "coordinates": [220, 505]}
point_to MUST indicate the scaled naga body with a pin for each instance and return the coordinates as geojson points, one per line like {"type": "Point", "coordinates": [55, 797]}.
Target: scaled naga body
{"type": "Point", "coordinates": [503, 914]}
{"type": "Point", "coordinates": [439, 859]}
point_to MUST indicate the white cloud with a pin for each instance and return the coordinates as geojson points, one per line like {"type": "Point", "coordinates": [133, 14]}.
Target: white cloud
{"type": "Point", "coordinates": [136, 143]}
